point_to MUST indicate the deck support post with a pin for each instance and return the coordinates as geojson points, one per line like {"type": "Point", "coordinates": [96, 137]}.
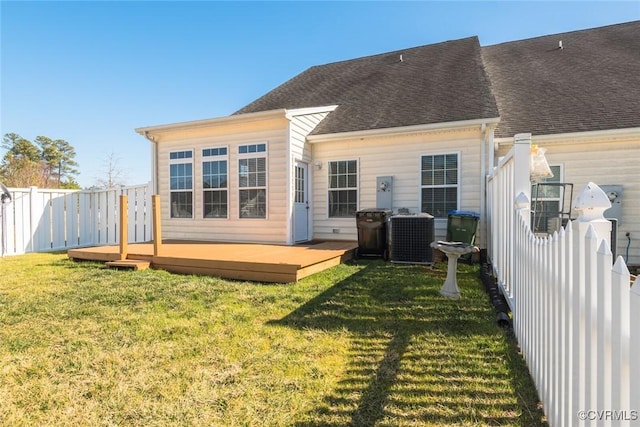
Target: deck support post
{"type": "Point", "coordinates": [124, 226]}
{"type": "Point", "coordinates": [157, 226]}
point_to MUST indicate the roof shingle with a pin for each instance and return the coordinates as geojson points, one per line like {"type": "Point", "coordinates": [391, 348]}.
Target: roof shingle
{"type": "Point", "coordinates": [534, 86]}
{"type": "Point", "coordinates": [591, 84]}
{"type": "Point", "coordinates": [443, 82]}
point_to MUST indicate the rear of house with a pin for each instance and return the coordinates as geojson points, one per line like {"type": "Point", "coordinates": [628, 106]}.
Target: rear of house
{"type": "Point", "coordinates": [297, 163]}
{"type": "Point", "coordinates": [430, 121]}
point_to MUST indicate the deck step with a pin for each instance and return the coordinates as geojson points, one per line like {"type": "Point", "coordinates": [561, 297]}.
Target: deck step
{"type": "Point", "coordinates": [133, 264]}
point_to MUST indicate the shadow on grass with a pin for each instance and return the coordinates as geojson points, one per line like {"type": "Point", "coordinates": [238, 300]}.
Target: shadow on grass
{"type": "Point", "coordinates": [416, 356]}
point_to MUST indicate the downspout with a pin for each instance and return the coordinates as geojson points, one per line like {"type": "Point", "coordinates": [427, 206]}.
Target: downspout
{"type": "Point", "coordinates": [154, 162]}
{"type": "Point", "coordinates": [290, 240]}
{"type": "Point", "coordinates": [483, 184]}
{"type": "Point", "coordinates": [487, 159]}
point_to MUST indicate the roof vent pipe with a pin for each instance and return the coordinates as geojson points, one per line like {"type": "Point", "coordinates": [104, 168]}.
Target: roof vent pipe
{"type": "Point", "coordinates": [400, 58]}
{"type": "Point", "coordinates": [560, 45]}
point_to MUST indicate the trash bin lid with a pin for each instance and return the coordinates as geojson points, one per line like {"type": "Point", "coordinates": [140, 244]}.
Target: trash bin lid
{"type": "Point", "coordinates": [464, 213]}
{"type": "Point", "coordinates": [374, 210]}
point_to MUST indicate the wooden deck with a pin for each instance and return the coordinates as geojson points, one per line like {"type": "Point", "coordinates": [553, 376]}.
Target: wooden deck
{"type": "Point", "coordinates": [255, 262]}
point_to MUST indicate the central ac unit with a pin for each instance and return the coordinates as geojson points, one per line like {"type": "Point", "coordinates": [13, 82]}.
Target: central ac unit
{"type": "Point", "coordinates": [410, 238]}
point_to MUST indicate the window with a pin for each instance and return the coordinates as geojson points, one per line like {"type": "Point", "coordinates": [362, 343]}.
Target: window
{"type": "Point", "coordinates": [252, 180]}
{"type": "Point", "coordinates": [175, 155]}
{"type": "Point", "coordinates": [222, 151]}
{"type": "Point", "coordinates": [181, 184]}
{"type": "Point", "coordinates": [252, 148]}
{"type": "Point", "coordinates": [439, 184]}
{"type": "Point", "coordinates": [546, 213]}
{"type": "Point", "coordinates": [214, 183]}
{"type": "Point", "coordinates": [299, 185]}
{"type": "Point", "coordinates": [343, 188]}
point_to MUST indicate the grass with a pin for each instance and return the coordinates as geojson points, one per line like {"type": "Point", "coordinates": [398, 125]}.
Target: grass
{"type": "Point", "coordinates": [366, 343]}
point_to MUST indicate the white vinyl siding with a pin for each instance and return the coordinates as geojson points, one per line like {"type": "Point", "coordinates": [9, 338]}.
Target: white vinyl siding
{"type": "Point", "coordinates": [439, 184]}
{"type": "Point", "coordinates": [343, 188]}
{"type": "Point", "coordinates": [181, 183]}
{"type": "Point", "coordinates": [603, 160]}
{"type": "Point", "coordinates": [215, 183]}
{"type": "Point", "coordinates": [399, 157]}
{"type": "Point", "coordinates": [284, 135]}
{"type": "Point", "coordinates": [299, 128]}
{"type": "Point", "coordinates": [301, 151]}
{"type": "Point", "coordinates": [232, 229]}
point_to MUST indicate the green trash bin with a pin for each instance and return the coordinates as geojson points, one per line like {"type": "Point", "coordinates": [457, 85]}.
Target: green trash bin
{"type": "Point", "coordinates": [461, 227]}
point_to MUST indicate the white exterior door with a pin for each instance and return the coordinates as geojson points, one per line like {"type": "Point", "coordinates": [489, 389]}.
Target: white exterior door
{"type": "Point", "coordinates": [301, 204]}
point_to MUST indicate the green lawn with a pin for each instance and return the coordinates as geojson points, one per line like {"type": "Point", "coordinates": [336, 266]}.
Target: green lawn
{"type": "Point", "coordinates": [365, 343]}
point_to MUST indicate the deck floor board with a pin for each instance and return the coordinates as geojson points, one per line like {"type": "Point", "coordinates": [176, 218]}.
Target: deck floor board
{"type": "Point", "coordinates": [242, 261]}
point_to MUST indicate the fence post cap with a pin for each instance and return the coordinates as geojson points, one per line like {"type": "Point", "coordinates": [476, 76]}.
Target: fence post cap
{"type": "Point", "coordinates": [520, 138]}
{"type": "Point", "coordinates": [522, 201]}
{"type": "Point", "coordinates": [591, 203]}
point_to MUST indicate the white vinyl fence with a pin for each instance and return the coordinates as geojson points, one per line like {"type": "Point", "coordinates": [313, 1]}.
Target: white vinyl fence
{"type": "Point", "coordinates": [576, 313]}
{"type": "Point", "coordinates": [38, 220]}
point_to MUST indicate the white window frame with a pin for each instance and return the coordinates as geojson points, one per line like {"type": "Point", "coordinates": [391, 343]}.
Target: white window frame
{"type": "Point", "coordinates": [337, 189]}
{"type": "Point", "coordinates": [215, 158]}
{"type": "Point", "coordinates": [255, 150]}
{"type": "Point", "coordinates": [457, 185]}
{"type": "Point", "coordinates": [181, 161]}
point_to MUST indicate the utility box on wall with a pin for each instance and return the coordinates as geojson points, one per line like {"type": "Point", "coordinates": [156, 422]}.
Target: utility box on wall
{"type": "Point", "coordinates": [614, 192]}
{"type": "Point", "coordinates": [384, 192]}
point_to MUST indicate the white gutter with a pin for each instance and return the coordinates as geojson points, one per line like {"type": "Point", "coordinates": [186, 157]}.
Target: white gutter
{"type": "Point", "coordinates": [239, 118]}
{"type": "Point", "coordinates": [431, 127]}
{"type": "Point", "coordinates": [152, 132]}
{"type": "Point", "coordinates": [563, 137]}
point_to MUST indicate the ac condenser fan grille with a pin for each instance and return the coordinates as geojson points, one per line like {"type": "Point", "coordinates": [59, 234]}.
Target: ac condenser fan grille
{"type": "Point", "coordinates": [411, 237]}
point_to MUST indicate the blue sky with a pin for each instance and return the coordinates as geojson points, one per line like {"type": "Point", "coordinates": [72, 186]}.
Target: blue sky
{"type": "Point", "coordinates": [91, 72]}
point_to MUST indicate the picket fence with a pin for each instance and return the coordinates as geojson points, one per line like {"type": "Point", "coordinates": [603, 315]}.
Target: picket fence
{"type": "Point", "coordinates": [39, 220]}
{"type": "Point", "coordinates": [576, 314]}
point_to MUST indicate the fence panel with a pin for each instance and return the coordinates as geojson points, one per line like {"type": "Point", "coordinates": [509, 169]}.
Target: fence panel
{"type": "Point", "coordinates": [43, 220]}
{"type": "Point", "coordinates": [576, 316]}
{"type": "Point", "coordinates": [87, 222]}
{"type": "Point", "coordinates": [140, 212]}
{"type": "Point", "coordinates": [72, 220]}
{"type": "Point", "coordinates": [58, 222]}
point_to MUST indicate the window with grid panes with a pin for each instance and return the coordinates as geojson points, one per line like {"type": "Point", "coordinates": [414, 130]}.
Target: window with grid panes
{"type": "Point", "coordinates": [299, 184]}
{"type": "Point", "coordinates": [252, 180]}
{"type": "Point", "coordinates": [439, 184]}
{"type": "Point", "coordinates": [181, 183]}
{"type": "Point", "coordinates": [546, 201]}
{"type": "Point", "coordinates": [214, 183]}
{"type": "Point", "coordinates": [343, 188]}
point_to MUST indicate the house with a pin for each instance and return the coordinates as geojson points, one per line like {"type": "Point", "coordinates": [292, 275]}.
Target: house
{"type": "Point", "coordinates": [298, 162]}
{"type": "Point", "coordinates": [295, 164]}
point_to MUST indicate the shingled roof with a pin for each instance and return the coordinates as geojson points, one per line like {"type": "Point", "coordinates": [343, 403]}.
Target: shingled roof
{"type": "Point", "coordinates": [533, 85]}
{"type": "Point", "coordinates": [443, 82]}
{"type": "Point", "coordinates": [589, 84]}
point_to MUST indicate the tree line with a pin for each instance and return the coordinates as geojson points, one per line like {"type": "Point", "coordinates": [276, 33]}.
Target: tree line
{"type": "Point", "coordinates": [43, 162]}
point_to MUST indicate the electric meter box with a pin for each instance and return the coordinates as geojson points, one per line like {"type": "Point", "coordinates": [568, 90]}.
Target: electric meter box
{"type": "Point", "coordinates": [614, 193]}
